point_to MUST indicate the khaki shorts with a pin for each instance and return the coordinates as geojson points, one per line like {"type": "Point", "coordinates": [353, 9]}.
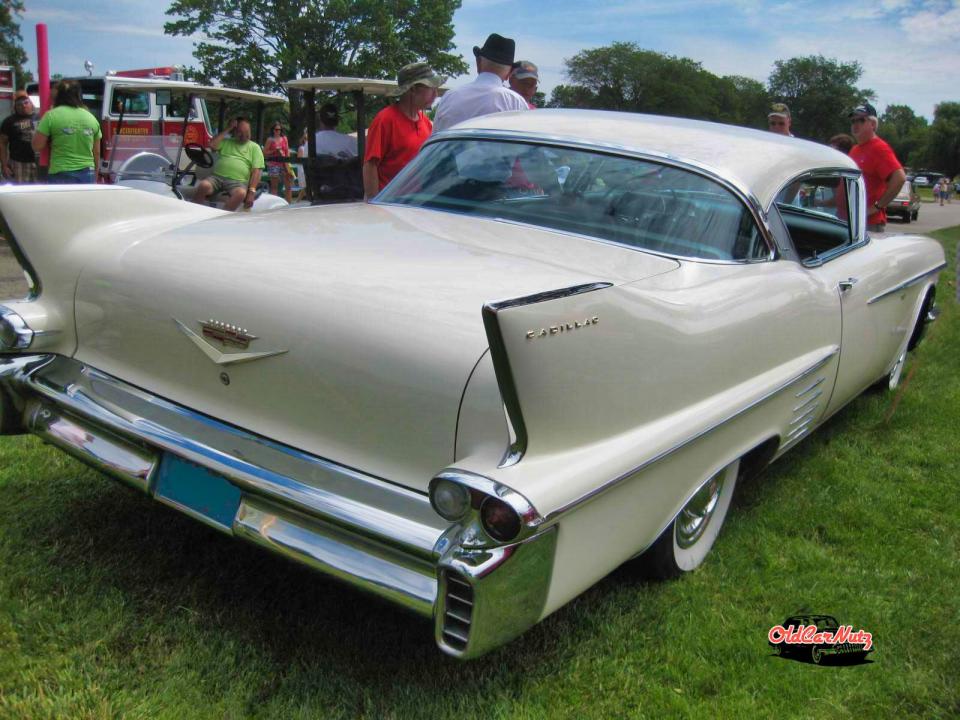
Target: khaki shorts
{"type": "Point", "coordinates": [24, 172]}
{"type": "Point", "coordinates": [226, 185]}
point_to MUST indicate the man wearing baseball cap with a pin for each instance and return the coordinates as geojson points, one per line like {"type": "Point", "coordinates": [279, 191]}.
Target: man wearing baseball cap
{"type": "Point", "coordinates": [398, 131]}
{"type": "Point", "coordinates": [486, 94]}
{"type": "Point", "coordinates": [779, 120]}
{"type": "Point", "coordinates": [882, 172]}
{"type": "Point", "coordinates": [524, 80]}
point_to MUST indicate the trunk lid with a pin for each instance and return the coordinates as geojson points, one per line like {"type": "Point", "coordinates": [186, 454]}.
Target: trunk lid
{"type": "Point", "coordinates": [374, 313]}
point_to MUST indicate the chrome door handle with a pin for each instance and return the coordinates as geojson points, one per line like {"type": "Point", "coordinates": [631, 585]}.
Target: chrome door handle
{"type": "Point", "coordinates": [847, 284]}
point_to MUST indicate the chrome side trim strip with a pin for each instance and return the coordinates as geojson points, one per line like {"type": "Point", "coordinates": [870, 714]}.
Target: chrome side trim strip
{"type": "Point", "coordinates": [556, 514]}
{"type": "Point", "coordinates": [794, 437]}
{"type": "Point", "coordinates": [501, 361]}
{"type": "Point", "coordinates": [805, 417]}
{"type": "Point", "coordinates": [907, 283]}
{"type": "Point", "coordinates": [813, 399]}
{"type": "Point", "coordinates": [810, 387]}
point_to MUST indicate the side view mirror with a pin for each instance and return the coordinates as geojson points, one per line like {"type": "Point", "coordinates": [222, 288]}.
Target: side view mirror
{"type": "Point", "coordinates": [163, 97]}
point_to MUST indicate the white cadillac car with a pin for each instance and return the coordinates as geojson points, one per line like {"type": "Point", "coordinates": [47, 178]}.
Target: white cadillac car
{"type": "Point", "coordinates": [552, 344]}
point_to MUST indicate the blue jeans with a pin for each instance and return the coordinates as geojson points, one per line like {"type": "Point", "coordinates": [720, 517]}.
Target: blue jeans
{"type": "Point", "coordinates": [71, 177]}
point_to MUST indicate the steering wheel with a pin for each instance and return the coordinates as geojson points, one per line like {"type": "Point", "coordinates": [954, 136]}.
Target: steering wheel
{"type": "Point", "coordinates": [199, 155]}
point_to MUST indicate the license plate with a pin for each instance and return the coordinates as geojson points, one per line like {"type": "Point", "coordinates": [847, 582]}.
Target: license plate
{"type": "Point", "coordinates": [197, 491]}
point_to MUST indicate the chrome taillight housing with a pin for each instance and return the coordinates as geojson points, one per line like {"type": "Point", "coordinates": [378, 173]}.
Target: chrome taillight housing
{"type": "Point", "coordinates": [15, 334]}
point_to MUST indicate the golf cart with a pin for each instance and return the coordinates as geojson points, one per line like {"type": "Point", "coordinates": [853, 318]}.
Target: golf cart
{"type": "Point", "coordinates": [330, 178]}
{"type": "Point", "coordinates": [174, 163]}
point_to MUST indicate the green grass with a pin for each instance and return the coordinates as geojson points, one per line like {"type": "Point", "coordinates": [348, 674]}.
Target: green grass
{"type": "Point", "coordinates": [112, 606]}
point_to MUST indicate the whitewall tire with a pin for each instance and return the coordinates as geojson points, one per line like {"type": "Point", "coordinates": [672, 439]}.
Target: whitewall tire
{"type": "Point", "coordinates": [684, 545]}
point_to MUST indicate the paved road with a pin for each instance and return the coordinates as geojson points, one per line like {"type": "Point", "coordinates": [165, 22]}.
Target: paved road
{"type": "Point", "coordinates": [932, 217]}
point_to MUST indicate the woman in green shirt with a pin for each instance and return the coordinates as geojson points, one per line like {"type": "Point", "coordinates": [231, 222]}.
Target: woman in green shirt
{"type": "Point", "coordinates": [73, 135]}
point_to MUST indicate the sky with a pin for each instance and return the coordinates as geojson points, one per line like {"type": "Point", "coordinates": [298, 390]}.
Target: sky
{"type": "Point", "coordinates": [909, 49]}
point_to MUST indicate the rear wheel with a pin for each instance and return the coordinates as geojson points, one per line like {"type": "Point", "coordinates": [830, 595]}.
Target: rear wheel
{"type": "Point", "coordinates": [817, 655]}
{"type": "Point", "coordinates": [684, 545]}
{"type": "Point", "coordinates": [907, 217]}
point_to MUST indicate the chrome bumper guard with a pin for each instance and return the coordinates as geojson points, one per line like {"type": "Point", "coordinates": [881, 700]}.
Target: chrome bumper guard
{"type": "Point", "coordinates": [370, 533]}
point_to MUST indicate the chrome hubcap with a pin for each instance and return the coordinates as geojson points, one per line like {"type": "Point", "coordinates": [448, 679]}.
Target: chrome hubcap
{"type": "Point", "coordinates": [693, 519]}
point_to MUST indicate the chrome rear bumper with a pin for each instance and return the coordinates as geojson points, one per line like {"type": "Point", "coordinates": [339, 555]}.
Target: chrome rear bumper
{"type": "Point", "coordinates": [373, 534]}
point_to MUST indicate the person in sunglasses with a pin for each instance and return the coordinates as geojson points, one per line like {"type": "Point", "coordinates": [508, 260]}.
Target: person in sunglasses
{"type": "Point", "coordinates": [779, 120]}
{"type": "Point", "coordinates": [882, 172]}
{"type": "Point", "coordinates": [276, 147]}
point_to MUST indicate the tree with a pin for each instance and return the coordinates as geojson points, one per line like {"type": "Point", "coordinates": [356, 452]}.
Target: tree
{"type": "Point", "coordinates": [820, 91]}
{"type": "Point", "coordinates": [11, 51]}
{"type": "Point", "coordinates": [943, 141]}
{"type": "Point", "coordinates": [751, 101]}
{"type": "Point", "coordinates": [906, 132]}
{"type": "Point", "coordinates": [622, 76]}
{"type": "Point", "coordinates": [259, 44]}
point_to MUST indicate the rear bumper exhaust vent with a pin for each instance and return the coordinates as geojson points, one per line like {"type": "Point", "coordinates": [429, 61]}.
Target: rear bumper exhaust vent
{"type": "Point", "coordinates": [457, 611]}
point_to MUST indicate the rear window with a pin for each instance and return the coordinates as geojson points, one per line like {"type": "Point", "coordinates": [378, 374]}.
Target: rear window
{"type": "Point", "coordinates": [628, 201]}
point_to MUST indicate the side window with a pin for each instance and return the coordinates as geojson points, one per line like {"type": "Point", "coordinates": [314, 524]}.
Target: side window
{"type": "Point", "coordinates": [817, 212]}
{"type": "Point", "coordinates": [177, 107]}
{"type": "Point", "coordinates": [133, 102]}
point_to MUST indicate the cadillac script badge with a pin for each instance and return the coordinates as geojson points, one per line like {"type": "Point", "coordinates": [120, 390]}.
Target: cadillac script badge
{"type": "Point", "coordinates": [563, 327]}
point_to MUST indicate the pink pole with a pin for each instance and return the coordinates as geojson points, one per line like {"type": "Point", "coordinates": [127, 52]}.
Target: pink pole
{"type": "Point", "coordinates": [43, 72]}
{"type": "Point", "coordinates": [43, 67]}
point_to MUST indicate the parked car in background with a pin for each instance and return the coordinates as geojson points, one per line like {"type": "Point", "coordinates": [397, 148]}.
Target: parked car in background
{"type": "Point", "coordinates": [906, 205]}
{"type": "Point", "coordinates": [555, 342]}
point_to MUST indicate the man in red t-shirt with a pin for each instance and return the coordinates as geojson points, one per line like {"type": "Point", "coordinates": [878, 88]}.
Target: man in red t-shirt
{"type": "Point", "coordinates": [398, 131]}
{"type": "Point", "coordinates": [882, 172]}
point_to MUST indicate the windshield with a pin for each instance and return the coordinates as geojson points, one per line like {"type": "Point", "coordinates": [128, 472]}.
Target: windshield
{"type": "Point", "coordinates": [638, 203]}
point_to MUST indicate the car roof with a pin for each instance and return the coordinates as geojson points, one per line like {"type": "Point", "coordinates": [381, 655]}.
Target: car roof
{"type": "Point", "coordinates": [759, 162]}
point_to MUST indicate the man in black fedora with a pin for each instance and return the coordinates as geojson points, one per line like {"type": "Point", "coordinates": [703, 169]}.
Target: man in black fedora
{"type": "Point", "coordinates": [486, 94]}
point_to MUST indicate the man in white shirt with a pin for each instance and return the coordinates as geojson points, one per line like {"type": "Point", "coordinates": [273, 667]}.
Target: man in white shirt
{"type": "Point", "coordinates": [331, 142]}
{"type": "Point", "coordinates": [486, 94]}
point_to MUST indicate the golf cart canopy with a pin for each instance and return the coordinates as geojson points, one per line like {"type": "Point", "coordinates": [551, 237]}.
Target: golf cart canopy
{"type": "Point", "coordinates": [367, 86]}
{"type": "Point", "coordinates": [207, 92]}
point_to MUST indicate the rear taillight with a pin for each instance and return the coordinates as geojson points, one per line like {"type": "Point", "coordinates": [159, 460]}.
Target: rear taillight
{"type": "Point", "coordinates": [500, 520]}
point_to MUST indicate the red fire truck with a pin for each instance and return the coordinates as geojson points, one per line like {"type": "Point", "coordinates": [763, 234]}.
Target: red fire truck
{"type": "Point", "coordinates": [146, 125]}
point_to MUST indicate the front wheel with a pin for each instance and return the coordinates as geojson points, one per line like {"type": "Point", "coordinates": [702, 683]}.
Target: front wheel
{"type": "Point", "coordinates": [684, 545]}
{"type": "Point", "coordinates": [817, 655]}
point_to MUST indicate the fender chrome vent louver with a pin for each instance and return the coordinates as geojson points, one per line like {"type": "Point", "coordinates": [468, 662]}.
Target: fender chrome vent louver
{"type": "Point", "coordinates": [457, 612]}
{"type": "Point", "coordinates": [805, 412]}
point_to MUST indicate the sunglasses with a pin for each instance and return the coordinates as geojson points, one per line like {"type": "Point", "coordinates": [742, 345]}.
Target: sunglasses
{"type": "Point", "coordinates": [777, 123]}
{"type": "Point", "coordinates": [858, 120]}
